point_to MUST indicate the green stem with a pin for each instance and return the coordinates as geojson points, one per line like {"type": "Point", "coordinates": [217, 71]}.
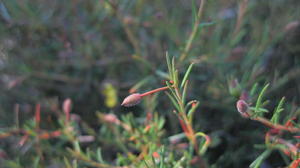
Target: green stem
{"type": "Point", "coordinates": [193, 34]}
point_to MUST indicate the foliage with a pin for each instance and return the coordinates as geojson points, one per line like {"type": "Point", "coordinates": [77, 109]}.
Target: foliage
{"type": "Point", "coordinates": [228, 93]}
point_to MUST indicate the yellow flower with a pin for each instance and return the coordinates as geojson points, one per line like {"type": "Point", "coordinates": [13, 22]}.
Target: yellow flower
{"type": "Point", "coordinates": [110, 93]}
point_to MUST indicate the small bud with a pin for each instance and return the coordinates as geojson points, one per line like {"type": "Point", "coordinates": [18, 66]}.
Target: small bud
{"type": "Point", "coordinates": [132, 100]}
{"type": "Point", "coordinates": [67, 105]}
{"type": "Point", "coordinates": [234, 87]}
{"type": "Point", "coordinates": [67, 108]}
{"type": "Point", "coordinates": [243, 108]}
{"type": "Point", "coordinates": [111, 118]}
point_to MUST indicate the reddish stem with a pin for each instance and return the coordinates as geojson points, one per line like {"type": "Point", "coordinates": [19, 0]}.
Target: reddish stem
{"type": "Point", "coordinates": [183, 126]}
{"type": "Point", "coordinates": [37, 115]}
{"type": "Point", "coordinates": [276, 126]}
{"type": "Point", "coordinates": [154, 91]}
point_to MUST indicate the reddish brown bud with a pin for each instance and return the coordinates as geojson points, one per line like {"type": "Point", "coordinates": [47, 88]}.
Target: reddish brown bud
{"type": "Point", "coordinates": [67, 105]}
{"type": "Point", "coordinates": [243, 108]}
{"type": "Point", "coordinates": [67, 108]}
{"type": "Point", "coordinates": [111, 118]}
{"type": "Point", "coordinates": [132, 100]}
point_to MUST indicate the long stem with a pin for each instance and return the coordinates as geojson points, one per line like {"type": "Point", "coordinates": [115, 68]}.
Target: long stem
{"type": "Point", "coordinates": [193, 34]}
{"type": "Point", "coordinates": [82, 157]}
{"type": "Point", "coordinates": [241, 14]}
{"type": "Point", "coordinates": [276, 126]}
{"type": "Point", "coordinates": [131, 37]}
{"type": "Point", "coordinates": [154, 91]}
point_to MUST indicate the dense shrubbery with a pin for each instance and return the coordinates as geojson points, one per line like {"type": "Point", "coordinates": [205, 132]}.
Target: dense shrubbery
{"type": "Point", "coordinates": [228, 93]}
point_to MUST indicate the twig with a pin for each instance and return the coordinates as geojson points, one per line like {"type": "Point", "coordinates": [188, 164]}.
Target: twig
{"type": "Point", "coordinates": [154, 91]}
{"type": "Point", "coordinates": [17, 111]}
{"type": "Point", "coordinates": [79, 156]}
{"type": "Point", "coordinates": [192, 36]}
{"type": "Point", "coordinates": [276, 126]}
{"type": "Point", "coordinates": [131, 37]}
{"type": "Point", "coordinates": [241, 14]}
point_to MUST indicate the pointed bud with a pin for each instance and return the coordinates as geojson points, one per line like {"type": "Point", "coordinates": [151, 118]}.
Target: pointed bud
{"type": "Point", "coordinates": [243, 108]}
{"type": "Point", "coordinates": [67, 105]}
{"type": "Point", "coordinates": [132, 100]}
{"type": "Point", "coordinates": [234, 87]}
{"type": "Point", "coordinates": [111, 118]}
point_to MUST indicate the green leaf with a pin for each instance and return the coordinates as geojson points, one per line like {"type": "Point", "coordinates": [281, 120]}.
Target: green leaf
{"type": "Point", "coordinates": [99, 156]}
{"type": "Point", "coordinates": [162, 154]}
{"type": "Point", "coordinates": [74, 165]}
{"type": "Point", "coordinates": [146, 164]}
{"type": "Point", "coordinates": [77, 146]}
{"type": "Point", "coordinates": [194, 10]}
{"type": "Point", "coordinates": [67, 163]}
{"type": "Point", "coordinates": [186, 75]}
{"type": "Point", "coordinates": [204, 24]}
{"type": "Point", "coordinates": [173, 101]}
{"type": "Point", "coordinates": [258, 161]}
{"type": "Point", "coordinates": [174, 72]}
{"type": "Point", "coordinates": [277, 111]}
{"type": "Point", "coordinates": [184, 92]}
{"type": "Point", "coordinates": [169, 66]}
{"type": "Point", "coordinates": [176, 79]}
{"type": "Point", "coordinates": [192, 111]}
{"type": "Point", "coordinates": [259, 99]}
{"type": "Point", "coordinates": [36, 162]}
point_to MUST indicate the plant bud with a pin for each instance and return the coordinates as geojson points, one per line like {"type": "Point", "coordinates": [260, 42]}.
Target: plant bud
{"type": "Point", "coordinates": [243, 108]}
{"type": "Point", "coordinates": [132, 100]}
{"type": "Point", "coordinates": [234, 88]}
{"type": "Point", "coordinates": [111, 118]}
{"type": "Point", "coordinates": [67, 105]}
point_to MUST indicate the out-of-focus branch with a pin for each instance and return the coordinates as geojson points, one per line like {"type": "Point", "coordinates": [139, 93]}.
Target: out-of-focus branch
{"type": "Point", "coordinates": [192, 36]}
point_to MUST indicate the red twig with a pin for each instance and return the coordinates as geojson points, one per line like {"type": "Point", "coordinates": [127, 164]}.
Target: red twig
{"type": "Point", "coordinates": [37, 115]}
{"type": "Point", "coordinates": [276, 126]}
{"type": "Point", "coordinates": [154, 91]}
{"type": "Point", "coordinates": [183, 126]}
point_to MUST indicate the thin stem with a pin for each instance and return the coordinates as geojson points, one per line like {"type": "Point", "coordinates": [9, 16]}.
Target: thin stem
{"type": "Point", "coordinates": [193, 34]}
{"type": "Point", "coordinates": [131, 37]}
{"type": "Point", "coordinates": [241, 14]}
{"type": "Point", "coordinates": [79, 156]}
{"type": "Point", "coordinates": [17, 111]}
{"type": "Point", "coordinates": [291, 147]}
{"type": "Point", "coordinates": [154, 91]}
{"type": "Point", "coordinates": [276, 126]}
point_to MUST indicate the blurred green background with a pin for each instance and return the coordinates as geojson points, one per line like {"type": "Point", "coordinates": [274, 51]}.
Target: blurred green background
{"type": "Point", "coordinates": [94, 53]}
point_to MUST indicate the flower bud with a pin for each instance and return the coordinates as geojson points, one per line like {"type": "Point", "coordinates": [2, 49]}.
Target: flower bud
{"type": "Point", "coordinates": [132, 100]}
{"type": "Point", "coordinates": [67, 106]}
{"type": "Point", "coordinates": [243, 108]}
{"type": "Point", "coordinates": [111, 118]}
{"type": "Point", "coordinates": [234, 88]}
